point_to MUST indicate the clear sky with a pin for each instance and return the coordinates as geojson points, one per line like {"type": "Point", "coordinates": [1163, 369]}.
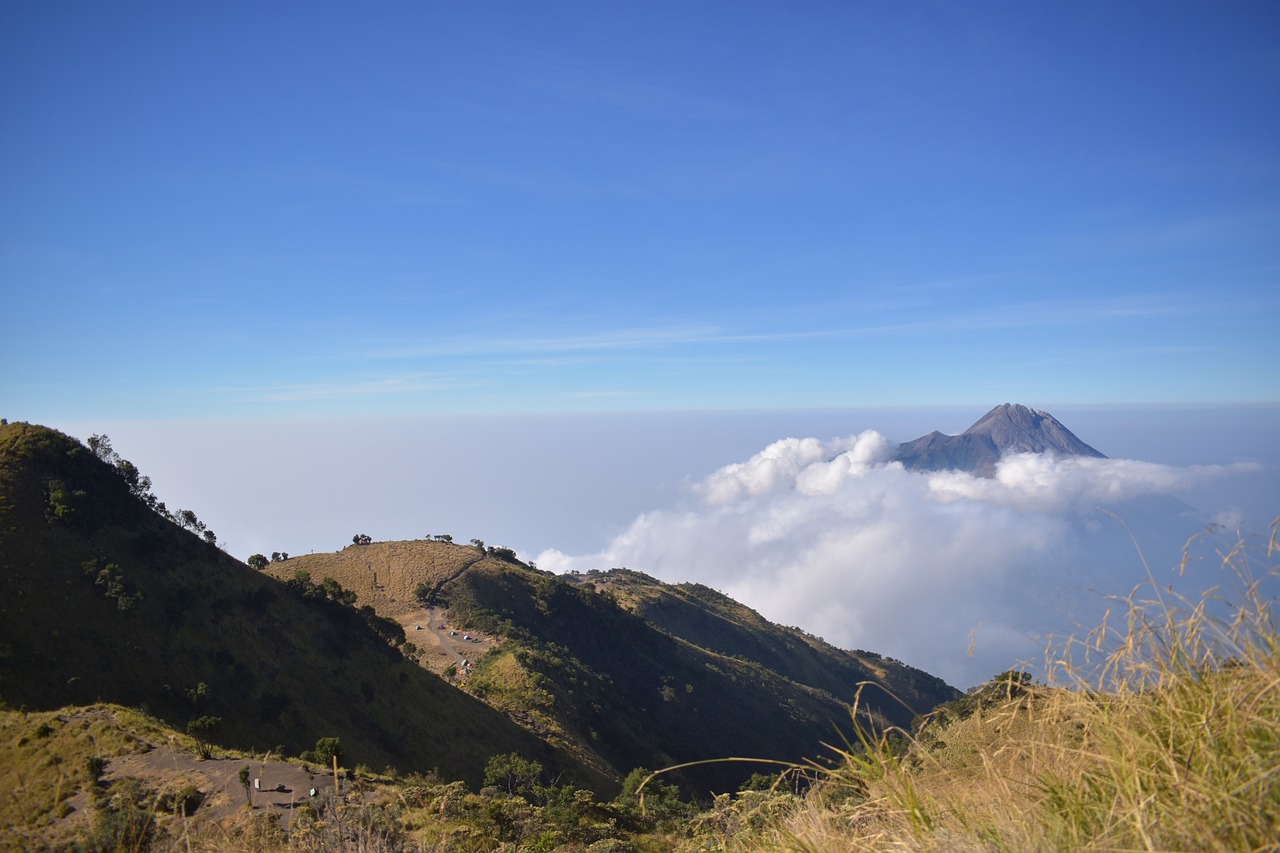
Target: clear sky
{"type": "Point", "coordinates": [221, 209]}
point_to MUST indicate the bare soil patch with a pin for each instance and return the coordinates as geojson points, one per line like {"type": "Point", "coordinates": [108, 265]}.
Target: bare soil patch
{"type": "Point", "coordinates": [443, 644]}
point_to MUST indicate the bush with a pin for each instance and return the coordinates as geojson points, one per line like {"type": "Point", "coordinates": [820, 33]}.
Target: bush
{"type": "Point", "coordinates": [326, 750]}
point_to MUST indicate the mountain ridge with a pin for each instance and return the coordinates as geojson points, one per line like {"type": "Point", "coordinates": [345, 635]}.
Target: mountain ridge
{"type": "Point", "coordinates": [624, 670]}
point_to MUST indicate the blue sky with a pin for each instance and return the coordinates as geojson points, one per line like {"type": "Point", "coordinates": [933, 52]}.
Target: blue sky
{"type": "Point", "coordinates": [274, 210]}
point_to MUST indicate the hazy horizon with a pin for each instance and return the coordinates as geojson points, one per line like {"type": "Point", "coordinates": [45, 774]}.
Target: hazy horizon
{"type": "Point", "coordinates": [605, 491]}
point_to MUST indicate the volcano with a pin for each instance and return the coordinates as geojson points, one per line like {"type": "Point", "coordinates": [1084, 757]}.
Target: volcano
{"type": "Point", "coordinates": [1008, 428]}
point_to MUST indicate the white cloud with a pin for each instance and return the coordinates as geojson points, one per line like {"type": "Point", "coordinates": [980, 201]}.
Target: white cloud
{"type": "Point", "coordinates": [832, 537]}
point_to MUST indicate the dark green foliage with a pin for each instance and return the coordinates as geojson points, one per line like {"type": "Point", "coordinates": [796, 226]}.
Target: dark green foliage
{"type": "Point", "coordinates": [325, 751]}
{"type": "Point", "coordinates": [647, 803]}
{"type": "Point", "coordinates": [195, 694]}
{"type": "Point", "coordinates": [506, 555]}
{"type": "Point", "coordinates": [257, 561]}
{"type": "Point", "coordinates": [1010, 684]}
{"type": "Point", "coordinates": [110, 579]}
{"type": "Point", "coordinates": [334, 592]}
{"type": "Point", "coordinates": [512, 774]}
{"type": "Point", "coordinates": [63, 502]}
{"type": "Point", "coordinates": [388, 629]}
{"type": "Point", "coordinates": [204, 730]}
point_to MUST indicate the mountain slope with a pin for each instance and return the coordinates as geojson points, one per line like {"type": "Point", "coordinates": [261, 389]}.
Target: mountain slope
{"type": "Point", "coordinates": [103, 599]}
{"type": "Point", "coordinates": [714, 621]}
{"type": "Point", "coordinates": [626, 671]}
{"type": "Point", "coordinates": [1008, 428]}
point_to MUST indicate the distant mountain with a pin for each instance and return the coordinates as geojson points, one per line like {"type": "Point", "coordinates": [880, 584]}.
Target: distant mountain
{"type": "Point", "coordinates": [1008, 428]}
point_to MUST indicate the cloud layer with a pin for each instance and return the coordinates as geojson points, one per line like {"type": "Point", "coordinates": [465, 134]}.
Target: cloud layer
{"type": "Point", "coordinates": [959, 575]}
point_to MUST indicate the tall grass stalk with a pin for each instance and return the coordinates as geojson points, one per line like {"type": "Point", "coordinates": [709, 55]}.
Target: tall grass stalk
{"type": "Point", "coordinates": [1162, 733]}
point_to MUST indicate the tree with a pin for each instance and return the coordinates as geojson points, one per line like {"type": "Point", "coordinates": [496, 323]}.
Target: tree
{"type": "Point", "coordinates": [646, 801]}
{"type": "Point", "coordinates": [139, 485]}
{"type": "Point", "coordinates": [327, 749]}
{"type": "Point", "coordinates": [101, 447]}
{"type": "Point", "coordinates": [335, 592]}
{"type": "Point", "coordinates": [188, 519]}
{"type": "Point", "coordinates": [422, 592]}
{"type": "Point", "coordinates": [512, 773]}
{"type": "Point", "coordinates": [204, 729]}
{"type": "Point", "coordinates": [257, 561]}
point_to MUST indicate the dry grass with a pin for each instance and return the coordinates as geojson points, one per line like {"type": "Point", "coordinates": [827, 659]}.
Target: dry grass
{"type": "Point", "coordinates": [383, 574]}
{"type": "Point", "coordinates": [1161, 733]}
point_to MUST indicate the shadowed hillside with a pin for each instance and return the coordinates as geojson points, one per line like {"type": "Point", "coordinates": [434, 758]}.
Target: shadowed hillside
{"type": "Point", "coordinates": [103, 599]}
{"type": "Point", "coordinates": [718, 623]}
{"type": "Point", "coordinates": [626, 671]}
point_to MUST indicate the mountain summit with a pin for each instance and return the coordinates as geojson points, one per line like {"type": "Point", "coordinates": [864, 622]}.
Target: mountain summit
{"type": "Point", "coordinates": [1008, 428]}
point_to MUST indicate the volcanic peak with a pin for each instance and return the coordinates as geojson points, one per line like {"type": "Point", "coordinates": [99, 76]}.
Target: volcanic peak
{"type": "Point", "coordinates": [1008, 428]}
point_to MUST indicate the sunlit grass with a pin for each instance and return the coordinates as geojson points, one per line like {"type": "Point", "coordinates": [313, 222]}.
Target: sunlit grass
{"type": "Point", "coordinates": [1158, 731]}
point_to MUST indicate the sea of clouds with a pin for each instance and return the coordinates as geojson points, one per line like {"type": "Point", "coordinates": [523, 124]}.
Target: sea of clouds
{"type": "Point", "coordinates": [960, 575]}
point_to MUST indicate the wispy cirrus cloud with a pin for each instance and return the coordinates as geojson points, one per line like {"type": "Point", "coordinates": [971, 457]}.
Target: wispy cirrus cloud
{"type": "Point", "coordinates": [892, 319]}
{"type": "Point", "coordinates": [416, 383]}
{"type": "Point", "coordinates": [635, 338]}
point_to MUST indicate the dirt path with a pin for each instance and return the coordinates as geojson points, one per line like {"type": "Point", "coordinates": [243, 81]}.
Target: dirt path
{"type": "Point", "coordinates": [446, 646]}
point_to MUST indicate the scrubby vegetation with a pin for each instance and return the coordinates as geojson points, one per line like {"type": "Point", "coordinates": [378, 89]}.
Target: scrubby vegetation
{"type": "Point", "coordinates": [1160, 734]}
{"type": "Point", "coordinates": [1159, 731]}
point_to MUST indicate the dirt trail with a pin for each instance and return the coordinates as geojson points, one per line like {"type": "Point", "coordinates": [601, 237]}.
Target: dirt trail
{"type": "Point", "coordinates": [447, 646]}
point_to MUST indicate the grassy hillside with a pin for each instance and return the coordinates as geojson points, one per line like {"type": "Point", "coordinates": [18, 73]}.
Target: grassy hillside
{"type": "Point", "coordinates": [385, 574]}
{"type": "Point", "coordinates": [625, 671]}
{"type": "Point", "coordinates": [1164, 736]}
{"type": "Point", "coordinates": [103, 599]}
{"type": "Point", "coordinates": [714, 621]}
{"type": "Point", "coordinates": [105, 777]}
